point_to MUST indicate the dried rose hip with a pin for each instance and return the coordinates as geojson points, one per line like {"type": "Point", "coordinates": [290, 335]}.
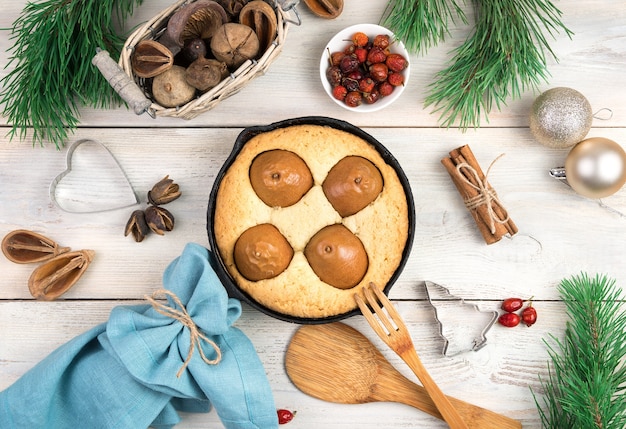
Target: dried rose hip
{"type": "Point", "coordinates": [334, 75]}
{"type": "Point", "coordinates": [336, 57]}
{"type": "Point", "coordinates": [385, 89]}
{"type": "Point", "coordinates": [367, 84]}
{"type": "Point", "coordinates": [350, 84]}
{"type": "Point", "coordinates": [376, 55]}
{"type": "Point", "coordinates": [353, 99]}
{"type": "Point", "coordinates": [360, 39]}
{"type": "Point", "coordinates": [381, 41]}
{"type": "Point", "coordinates": [340, 92]}
{"type": "Point", "coordinates": [396, 62]}
{"type": "Point", "coordinates": [529, 315]}
{"type": "Point", "coordinates": [349, 63]}
{"type": "Point", "coordinates": [509, 320]}
{"type": "Point", "coordinates": [395, 79]}
{"type": "Point", "coordinates": [361, 54]}
{"type": "Point", "coordinates": [285, 416]}
{"type": "Point", "coordinates": [371, 97]}
{"type": "Point", "coordinates": [511, 305]}
{"type": "Point", "coordinates": [379, 72]}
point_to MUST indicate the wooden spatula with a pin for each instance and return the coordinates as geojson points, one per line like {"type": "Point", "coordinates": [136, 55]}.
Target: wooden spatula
{"type": "Point", "coordinates": [336, 363]}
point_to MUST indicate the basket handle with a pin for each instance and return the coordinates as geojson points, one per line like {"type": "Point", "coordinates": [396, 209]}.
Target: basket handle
{"type": "Point", "coordinates": [121, 82]}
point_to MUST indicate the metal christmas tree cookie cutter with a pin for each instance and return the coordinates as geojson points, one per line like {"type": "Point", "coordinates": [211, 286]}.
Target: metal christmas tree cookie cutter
{"type": "Point", "coordinates": [468, 336]}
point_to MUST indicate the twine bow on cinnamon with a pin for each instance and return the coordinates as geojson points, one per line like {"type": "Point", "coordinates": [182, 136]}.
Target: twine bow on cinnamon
{"type": "Point", "coordinates": [479, 197]}
{"type": "Point", "coordinates": [183, 317]}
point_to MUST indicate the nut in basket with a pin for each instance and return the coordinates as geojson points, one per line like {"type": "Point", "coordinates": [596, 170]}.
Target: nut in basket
{"type": "Point", "coordinates": [196, 53]}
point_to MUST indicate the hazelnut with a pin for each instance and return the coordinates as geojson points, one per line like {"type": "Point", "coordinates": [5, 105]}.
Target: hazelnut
{"type": "Point", "coordinates": [280, 178]}
{"type": "Point", "coordinates": [262, 252]}
{"type": "Point", "coordinates": [352, 184]}
{"type": "Point", "coordinates": [337, 256]}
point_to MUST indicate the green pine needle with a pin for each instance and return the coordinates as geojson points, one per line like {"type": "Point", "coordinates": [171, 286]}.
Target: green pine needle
{"type": "Point", "coordinates": [586, 387]}
{"type": "Point", "coordinates": [53, 44]}
{"type": "Point", "coordinates": [422, 24]}
{"type": "Point", "coordinates": [503, 57]}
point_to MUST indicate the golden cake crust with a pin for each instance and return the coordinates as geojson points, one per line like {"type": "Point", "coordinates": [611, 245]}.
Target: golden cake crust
{"type": "Point", "coordinates": [382, 226]}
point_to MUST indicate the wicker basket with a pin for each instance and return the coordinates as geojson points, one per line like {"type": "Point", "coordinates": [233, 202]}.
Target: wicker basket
{"type": "Point", "coordinates": [227, 87]}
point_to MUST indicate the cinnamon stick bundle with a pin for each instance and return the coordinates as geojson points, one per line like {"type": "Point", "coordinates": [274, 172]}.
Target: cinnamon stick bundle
{"type": "Point", "coordinates": [479, 197]}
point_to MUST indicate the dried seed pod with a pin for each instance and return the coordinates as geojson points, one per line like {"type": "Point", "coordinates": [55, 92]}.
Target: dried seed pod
{"type": "Point", "coordinates": [232, 7]}
{"type": "Point", "coordinates": [204, 73]}
{"type": "Point", "coordinates": [58, 275]}
{"type": "Point", "coordinates": [159, 219]}
{"type": "Point", "coordinates": [194, 20]}
{"type": "Point", "coordinates": [328, 9]}
{"type": "Point", "coordinates": [24, 247]}
{"type": "Point", "coordinates": [261, 17]}
{"type": "Point", "coordinates": [194, 49]}
{"type": "Point", "coordinates": [234, 44]}
{"type": "Point", "coordinates": [137, 226]}
{"type": "Point", "coordinates": [151, 58]}
{"type": "Point", "coordinates": [164, 191]}
{"type": "Point", "coordinates": [170, 89]}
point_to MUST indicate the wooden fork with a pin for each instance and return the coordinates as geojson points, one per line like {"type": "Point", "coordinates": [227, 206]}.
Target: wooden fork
{"type": "Point", "coordinates": [390, 327]}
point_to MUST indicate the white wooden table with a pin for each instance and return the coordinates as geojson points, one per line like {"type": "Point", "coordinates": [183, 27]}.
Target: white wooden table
{"type": "Point", "coordinates": [561, 234]}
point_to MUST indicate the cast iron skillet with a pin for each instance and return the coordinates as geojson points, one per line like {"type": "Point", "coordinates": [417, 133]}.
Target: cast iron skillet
{"type": "Point", "coordinates": [229, 283]}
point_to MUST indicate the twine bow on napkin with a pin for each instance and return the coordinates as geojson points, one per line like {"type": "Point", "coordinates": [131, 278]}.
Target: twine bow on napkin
{"type": "Point", "coordinates": [183, 317]}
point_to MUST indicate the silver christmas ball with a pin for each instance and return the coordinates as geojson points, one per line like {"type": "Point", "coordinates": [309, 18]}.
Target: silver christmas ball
{"type": "Point", "coordinates": [596, 167]}
{"type": "Point", "coordinates": [560, 117]}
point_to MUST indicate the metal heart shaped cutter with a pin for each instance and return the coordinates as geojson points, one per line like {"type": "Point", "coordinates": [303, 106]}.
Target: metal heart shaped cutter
{"type": "Point", "coordinates": [449, 310]}
{"type": "Point", "coordinates": [93, 181]}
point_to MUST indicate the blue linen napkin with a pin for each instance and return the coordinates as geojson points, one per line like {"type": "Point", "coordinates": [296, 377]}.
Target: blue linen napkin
{"type": "Point", "coordinates": [123, 373]}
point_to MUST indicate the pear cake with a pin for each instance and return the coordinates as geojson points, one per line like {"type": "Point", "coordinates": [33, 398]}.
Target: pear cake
{"type": "Point", "coordinates": [306, 216]}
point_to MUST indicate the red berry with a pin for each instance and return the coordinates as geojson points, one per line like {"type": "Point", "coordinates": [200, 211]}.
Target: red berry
{"type": "Point", "coordinates": [353, 99]}
{"type": "Point", "coordinates": [396, 62]}
{"type": "Point", "coordinates": [336, 57]}
{"type": "Point", "coordinates": [529, 315]}
{"type": "Point", "coordinates": [385, 88]}
{"type": "Point", "coordinates": [376, 55]}
{"type": "Point", "coordinates": [381, 41]}
{"type": "Point", "coordinates": [285, 416]}
{"type": "Point", "coordinates": [366, 85]}
{"type": "Point", "coordinates": [361, 54]}
{"type": "Point", "coordinates": [395, 79]}
{"type": "Point", "coordinates": [509, 320]}
{"type": "Point", "coordinates": [379, 72]}
{"type": "Point", "coordinates": [360, 39]}
{"type": "Point", "coordinates": [371, 97]}
{"type": "Point", "coordinates": [334, 75]}
{"type": "Point", "coordinates": [340, 92]}
{"type": "Point", "coordinates": [349, 63]}
{"type": "Point", "coordinates": [511, 305]}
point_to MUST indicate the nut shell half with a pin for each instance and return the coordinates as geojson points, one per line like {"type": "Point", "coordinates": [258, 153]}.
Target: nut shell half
{"type": "Point", "coordinates": [262, 252]}
{"type": "Point", "coordinates": [261, 17]}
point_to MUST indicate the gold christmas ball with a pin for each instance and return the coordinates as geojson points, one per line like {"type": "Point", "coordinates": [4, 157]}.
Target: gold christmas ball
{"type": "Point", "coordinates": [560, 117]}
{"type": "Point", "coordinates": [596, 167]}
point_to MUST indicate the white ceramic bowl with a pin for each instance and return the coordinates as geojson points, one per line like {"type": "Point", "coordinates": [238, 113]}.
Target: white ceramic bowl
{"type": "Point", "coordinates": [339, 43]}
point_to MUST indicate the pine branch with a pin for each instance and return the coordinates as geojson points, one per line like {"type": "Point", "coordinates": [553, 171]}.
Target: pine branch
{"type": "Point", "coordinates": [586, 387]}
{"type": "Point", "coordinates": [53, 43]}
{"type": "Point", "coordinates": [421, 24]}
{"type": "Point", "coordinates": [505, 56]}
